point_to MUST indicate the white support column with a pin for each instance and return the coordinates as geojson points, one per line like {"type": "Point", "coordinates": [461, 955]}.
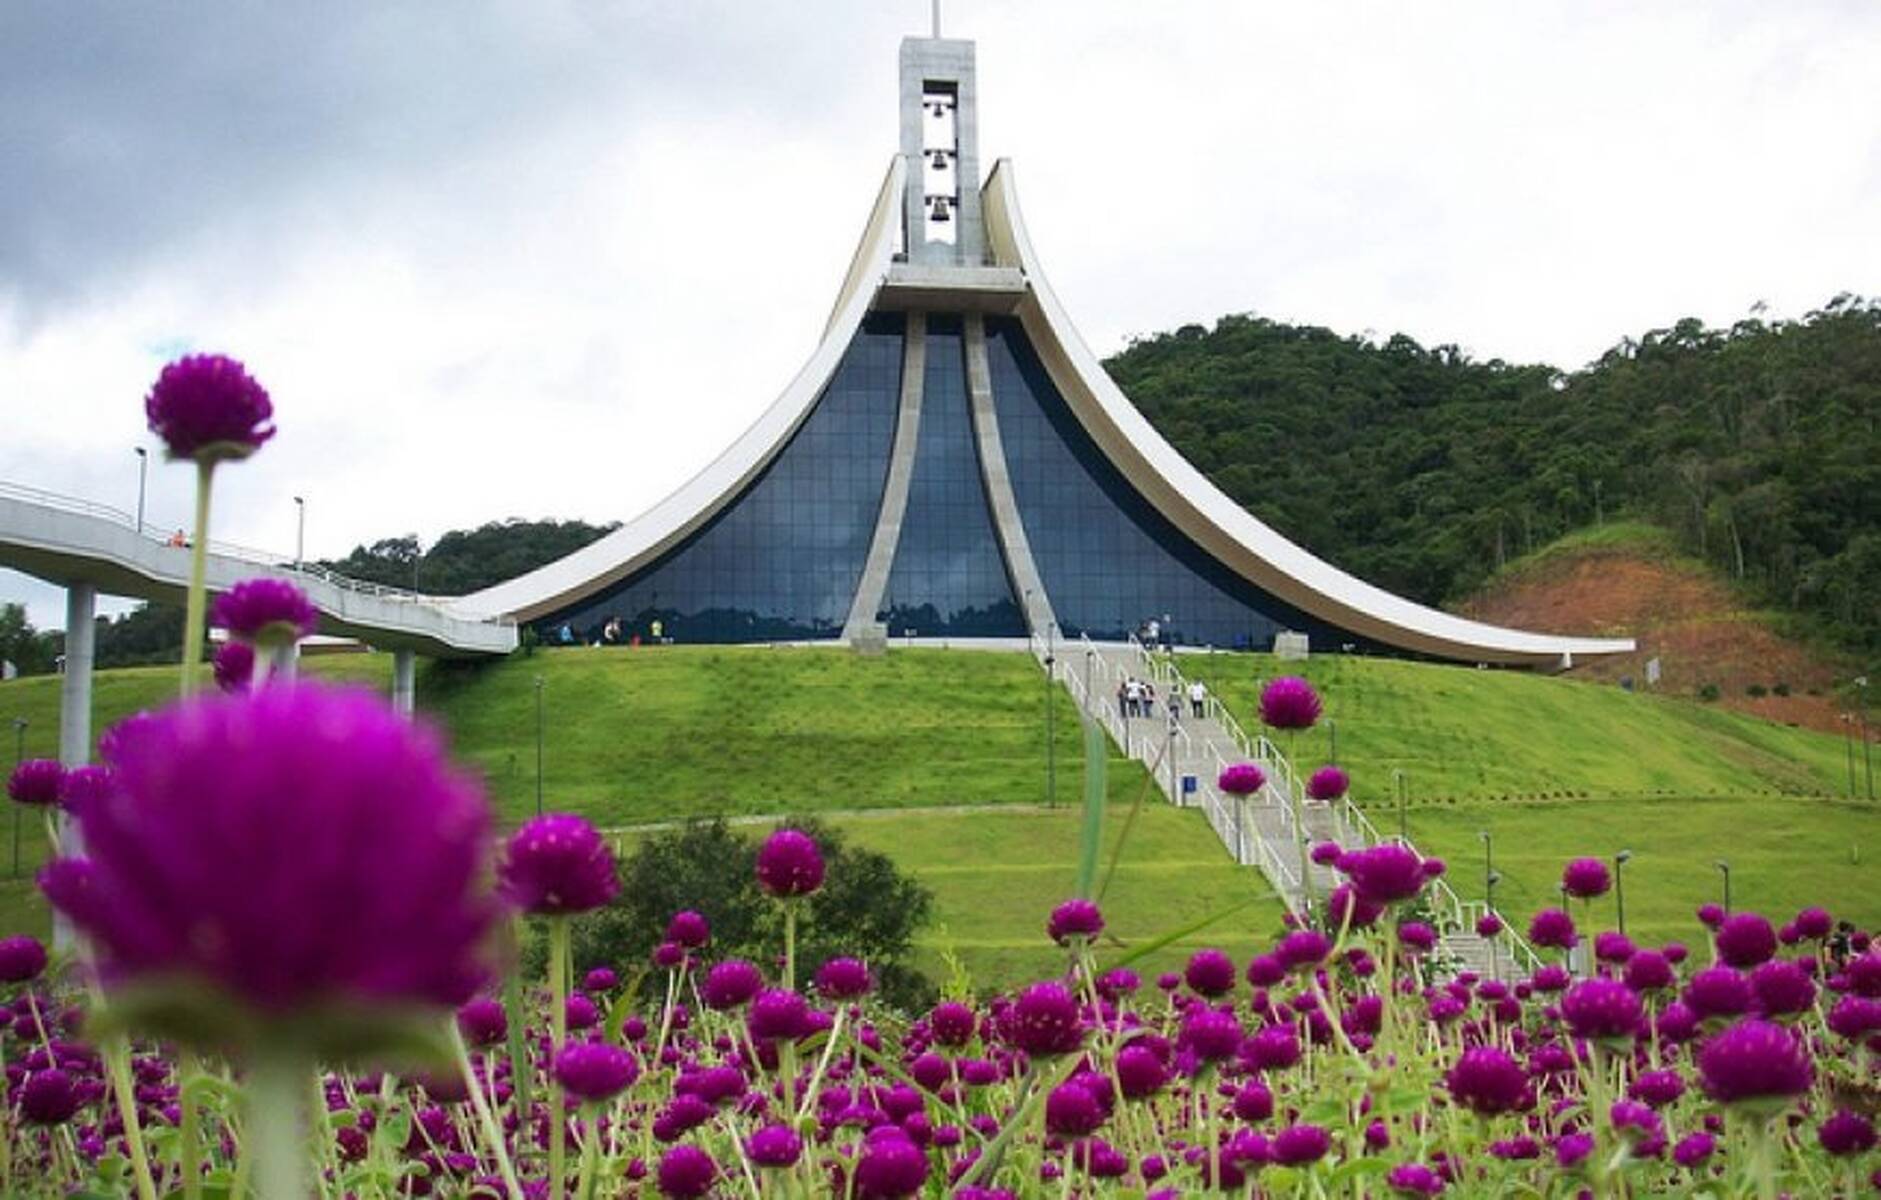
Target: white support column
{"type": "Point", "coordinates": [284, 664]}
{"type": "Point", "coordinates": [81, 635]}
{"type": "Point", "coordinates": [404, 680]}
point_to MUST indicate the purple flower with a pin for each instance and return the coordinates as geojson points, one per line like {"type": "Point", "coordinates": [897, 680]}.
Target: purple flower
{"type": "Point", "coordinates": [1755, 1061]}
{"type": "Point", "coordinates": [1585, 878]}
{"type": "Point", "coordinates": [207, 407]}
{"type": "Point", "coordinates": [730, 984]}
{"type": "Point", "coordinates": [1846, 1134]}
{"type": "Point", "coordinates": [579, 1012]}
{"type": "Point", "coordinates": [595, 1071]}
{"type": "Point", "coordinates": [1044, 1021]}
{"type": "Point", "coordinates": [1297, 1145]}
{"type": "Point", "coordinates": [600, 979]}
{"type": "Point", "coordinates": [234, 665]}
{"type": "Point", "coordinates": [36, 782]}
{"type": "Point", "coordinates": [1140, 1071]}
{"type": "Point", "coordinates": [1487, 1081]}
{"type": "Point", "coordinates": [303, 846]}
{"type": "Point", "coordinates": [774, 1146]}
{"type": "Point", "coordinates": [1488, 925]}
{"type": "Point", "coordinates": [1346, 905]}
{"type": "Point", "coordinates": [1210, 973]}
{"type": "Point", "coordinates": [1635, 1122]}
{"type": "Point", "coordinates": [1327, 853]}
{"type": "Point", "coordinates": [1552, 927]}
{"type": "Point", "coordinates": [1571, 1149]}
{"type": "Point", "coordinates": [1746, 939]}
{"type": "Point", "coordinates": [1289, 702]}
{"type": "Point", "coordinates": [48, 1098]}
{"type": "Point", "coordinates": [688, 929]}
{"type": "Point", "coordinates": [22, 957]}
{"type": "Point", "coordinates": [1783, 989]}
{"type": "Point", "coordinates": [1303, 948]}
{"type": "Point", "coordinates": [1414, 1179]}
{"type": "Point", "coordinates": [1718, 992]}
{"type": "Point", "coordinates": [483, 1021]}
{"type": "Point", "coordinates": [1814, 924]}
{"type": "Point", "coordinates": [1241, 779]}
{"type": "Point", "coordinates": [1254, 1101]}
{"type": "Point", "coordinates": [892, 1166]}
{"type": "Point", "coordinates": [1386, 873]}
{"type": "Point", "coordinates": [1210, 1034]}
{"type": "Point", "coordinates": [778, 1013]}
{"type": "Point", "coordinates": [1328, 783]}
{"type": "Point", "coordinates": [268, 612]}
{"type": "Point", "coordinates": [1649, 971]}
{"type": "Point", "coordinates": [843, 979]}
{"type": "Point", "coordinates": [1074, 919]}
{"type": "Point", "coordinates": [1693, 1149]}
{"type": "Point", "coordinates": [85, 785]}
{"type": "Point", "coordinates": [1854, 1017]}
{"type": "Point", "coordinates": [1071, 1111]}
{"type": "Point", "coordinates": [789, 864]}
{"type": "Point", "coordinates": [952, 1023]}
{"type": "Point", "coordinates": [1601, 1009]}
{"type": "Point", "coordinates": [1711, 915]}
{"type": "Point", "coordinates": [686, 1172]}
{"type": "Point", "coordinates": [1611, 946]}
{"type": "Point", "coordinates": [1658, 1088]}
{"type": "Point", "coordinates": [558, 864]}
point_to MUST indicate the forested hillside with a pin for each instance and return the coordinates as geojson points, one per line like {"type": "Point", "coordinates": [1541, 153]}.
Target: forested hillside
{"type": "Point", "coordinates": [466, 560]}
{"type": "Point", "coordinates": [1423, 470]}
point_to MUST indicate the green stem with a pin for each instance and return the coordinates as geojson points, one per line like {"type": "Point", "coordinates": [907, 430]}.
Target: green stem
{"type": "Point", "coordinates": [189, 1150]}
{"type": "Point", "coordinates": [275, 1092]}
{"type": "Point", "coordinates": [1761, 1160]}
{"type": "Point", "coordinates": [558, 1017]}
{"type": "Point", "coordinates": [118, 1058]}
{"type": "Point", "coordinates": [790, 945]}
{"type": "Point", "coordinates": [492, 1132]}
{"type": "Point", "coordinates": [195, 612]}
{"type": "Point", "coordinates": [518, 1056]}
{"type": "Point", "coordinates": [590, 1151]}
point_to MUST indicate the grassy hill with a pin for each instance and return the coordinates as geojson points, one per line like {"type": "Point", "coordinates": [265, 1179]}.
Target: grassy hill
{"type": "Point", "coordinates": [938, 759]}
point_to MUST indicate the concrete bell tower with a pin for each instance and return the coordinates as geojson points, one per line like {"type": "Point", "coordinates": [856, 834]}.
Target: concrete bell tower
{"type": "Point", "coordinates": [940, 127]}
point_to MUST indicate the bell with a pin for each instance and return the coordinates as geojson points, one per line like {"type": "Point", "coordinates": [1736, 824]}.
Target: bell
{"type": "Point", "coordinates": [940, 209]}
{"type": "Point", "coordinates": [937, 110]}
{"type": "Point", "coordinates": [940, 160]}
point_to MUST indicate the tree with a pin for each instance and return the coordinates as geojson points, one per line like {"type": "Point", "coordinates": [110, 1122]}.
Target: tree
{"type": "Point", "coordinates": [867, 907]}
{"type": "Point", "coordinates": [29, 650]}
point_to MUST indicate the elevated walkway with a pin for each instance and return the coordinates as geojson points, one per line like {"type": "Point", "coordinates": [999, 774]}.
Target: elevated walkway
{"type": "Point", "coordinates": [1186, 754]}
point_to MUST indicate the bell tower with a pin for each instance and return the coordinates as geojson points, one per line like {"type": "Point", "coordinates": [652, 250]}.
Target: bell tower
{"type": "Point", "coordinates": [941, 223]}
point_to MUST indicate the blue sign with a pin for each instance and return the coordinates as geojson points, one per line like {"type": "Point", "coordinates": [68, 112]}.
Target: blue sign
{"type": "Point", "coordinates": [1188, 785]}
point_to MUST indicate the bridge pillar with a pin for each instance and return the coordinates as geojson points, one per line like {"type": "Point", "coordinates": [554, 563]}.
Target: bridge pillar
{"type": "Point", "coordinates": [81, 636]}
{"type": "Point", "coordinates": [284, 665]}
{"type": "Point", "coordinates": [404, 680]}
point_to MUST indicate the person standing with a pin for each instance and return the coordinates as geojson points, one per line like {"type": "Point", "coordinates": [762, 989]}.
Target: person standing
{"type": "Point", "coordinates": [1198, 699]}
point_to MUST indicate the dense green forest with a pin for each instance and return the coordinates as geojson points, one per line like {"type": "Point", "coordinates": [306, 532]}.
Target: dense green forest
{"type": "Point", "coordinates": [466, 560]}
{"type": "Point", "coordinates": [1422, 470]}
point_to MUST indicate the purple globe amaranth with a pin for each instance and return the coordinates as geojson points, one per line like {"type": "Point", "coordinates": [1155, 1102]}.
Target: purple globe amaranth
{"type": "Point", "coordinates": [207, 407]}
{"type": "Point", "coordinates": [1783, 989]}
{"type": "Point", "coordinates": [1141, 1071]}
{"type": "Point", "coordinates": [1326, 853]}
{"type": "Point", "coordinates": [1586, 878]}
{"type": "Point", "coordinates": [1488, 925]}
{"type": "Point", "coordinates": [558, 864]}
{"type": "Point", "coordinates": [600, 979]}
{"type": "Point", "coordinates": [1303, 948]}
{"type": "Point", "coordinates": [778, 1013]}
{"type": "Point", "coordinates": [483, 1022]}
{"type": "Point", "coordinates": [1648, 971]}
{"type": "Point", "coordinates": [1718, 992]}
{"type": "Point", "coordinates": [1289, 702]}
{"type": "Point", "coordinates": [265, 612]}
{"type": "Point", "coordinates": [1601, 1010]}
{"type": "Point", "coordinates": [1075, 918]}
{"type": "Point", "coordinates": [1043, 1021]}
{"type": "Point", "coordinates": [844, 979]}
{"type": "Point", "coordinates": [790, 864]}
{"type": "Point", "coordinates": [774, 1146]}
{"type": "Point", "coordinates": [1387, 873]}
{"type": "Point", "coordinates": [1328, 783]}
{"type": "Point", "coordinates": [302, 847]}
{"type": "Point", "coordinates": [1658, 1088]}
{"type": "Point", "coordinates": [1854, 1017]}
{"type": "Point", "coordinates": [1846, 1134]}
{"type": "Point", "coordinates": [1613, 947]}
{"type": "Point", "coordinates": [1745, 940]}
{"type": "Point", "coordinates": [1417, 936]}
{"type": "Point", "coordinates": [1693, 1149]}
{"type": "Point", "coordinates": [36, 782]}
{"type": "Point", "coordinates": [1348, 907]}
{"type": "Point", "coordinates": [730, 984]}
{"type": "Point", "coordinates": [686, 1172]}
{"type": "Point", "coordinates": [1297, 1145]}
{"type": "Point", "coordinates": [595, 1071]}
{"type": "Point", "coordinates": [48, 1097]}
{"type": "Point", "coordinates": [688, 929]}
{"type": "Point", "coordinates": [1210, 973]}
{"type": "Point", "coordinates": [1553, 928]}
{"type": "Point", "coordinates": [1071, 1111]}
{"type": "Point", "coordinates": [85, 785]}
{"type": "Point", "coordinates": [1210, 1034]}
{"type": "Point", "coordinates": [892, 1166]}
{"type": "Point", "coordinates": [1814, 924]}
{"type": "Point", "coordinates": [22, 958]}
{"type": "Point", "coordinates": [234, 666]}
{"type": "Point", "coordinates": [1755, 1063]}
{"type": "Point", "coordinates": [1487, 1081]}
{"type": "Point", "coordinates": [1711, 915]}
{"type": "Point", "coordinates": [1414, 1179]}
{"type": "Point", "coordinates": [1241, 779]}
{"type": "Point", "coordinates": [952, 1023]}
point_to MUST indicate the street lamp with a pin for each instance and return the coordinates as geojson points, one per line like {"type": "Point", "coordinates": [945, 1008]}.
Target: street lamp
{"type": "Point", "coordinates": [1725, 868]}
{"type": "Point", "coordinates": [1489, 869]}
{"type": "Point", "coordinates": [1867, 750]}
{"type": "Point", "coordinates": [143, 469]}
{"type": "Point", "coordinates": [1051, 720]}
{"type": "Point", "coordinates": [1619, 885]}
{"type": "Point", "coordinates": [300, 530]}
{"type": "Point", "coordinates": [538, 745]}
{"type": "Point", "coordinates": [1403, 790]}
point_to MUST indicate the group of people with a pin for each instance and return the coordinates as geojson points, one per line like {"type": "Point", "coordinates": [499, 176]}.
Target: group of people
{"type": "Point", "coordinates": [612, 633]}
{"type": "Point", "coordinates": [1137, 698]}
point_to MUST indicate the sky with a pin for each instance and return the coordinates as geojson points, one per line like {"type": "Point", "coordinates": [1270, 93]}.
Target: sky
{"type": "Point", "coordinates": [546, 258]}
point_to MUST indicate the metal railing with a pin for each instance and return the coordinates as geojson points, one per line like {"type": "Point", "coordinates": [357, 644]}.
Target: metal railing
{"type": "Point", "coordinates": [248, 554]}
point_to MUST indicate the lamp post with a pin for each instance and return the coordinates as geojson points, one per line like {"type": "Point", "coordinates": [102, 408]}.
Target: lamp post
{"type": "Point", "coordinates": [1867, 749]}
{"type": "Point", "coordinates": [538, 745]}
{"type": "Point", "coordinates": [1848, 744]}
{"type": "Point", "coordinates": [1725, 869]}
{"type": "Point", "coordinates": [143, 470]}
{"type": "Point", "coordinates": [19, 756]}
{"type": "Point", "coordinates": [1619, 885]}
{"type": "Point", "coordinates": [300, 530]}
{"type": "Point", "coordinates": [1051, 722]}
{"type": "Point", "coordinates": [1403, 790]}
{"type": "Point", "coordinates": [1489, 869]}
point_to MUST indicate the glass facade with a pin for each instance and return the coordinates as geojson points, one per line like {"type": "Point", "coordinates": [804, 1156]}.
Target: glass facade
{"type": "Point", "coordinates": [779, 563]}
{"type": "Point", "coordinates": [1110, 562]}
{"type": "Point", "coordinates": [949, 578]}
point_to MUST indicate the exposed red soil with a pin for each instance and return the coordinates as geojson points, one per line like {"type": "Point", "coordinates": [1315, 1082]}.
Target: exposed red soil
{"type": "Point", "coordinates": [1680, 614]}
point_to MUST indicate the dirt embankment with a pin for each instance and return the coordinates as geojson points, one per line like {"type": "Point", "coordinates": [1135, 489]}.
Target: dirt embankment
{"type": "Point", "coordinates": [1680, 614]}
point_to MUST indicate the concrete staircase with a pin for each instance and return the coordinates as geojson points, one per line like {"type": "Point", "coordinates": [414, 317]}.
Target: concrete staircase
{"type": "Point", "coordinates": [1186, 754]}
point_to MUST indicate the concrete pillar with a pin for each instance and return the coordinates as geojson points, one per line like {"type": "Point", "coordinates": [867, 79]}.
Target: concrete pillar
{"type": "Point", "coordinates": [404, 680]}
{"type": "Point", "coordinates": [284, 665]}
{"type": "Point", "coordinates": [81, 637]}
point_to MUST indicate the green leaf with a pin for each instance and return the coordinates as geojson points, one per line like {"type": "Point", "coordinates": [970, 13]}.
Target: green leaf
{"type": "Point", "coordinates": [1347, 1171]}
{"type": "Point", "coordinates": [1175, 935]}
{"type": "Point", "coordinates": [1091, 836]}
{"type": "Point", "coordinates": [623, 1006]}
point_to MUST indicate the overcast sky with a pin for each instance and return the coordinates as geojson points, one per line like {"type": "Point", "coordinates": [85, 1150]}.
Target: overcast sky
{"type": "Point", "coordinates": [546, 259]}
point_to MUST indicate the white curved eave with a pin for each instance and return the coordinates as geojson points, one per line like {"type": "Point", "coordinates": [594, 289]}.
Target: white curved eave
{"type": "Point", "coordinates": [643, 539]}
{"type": "Point", "coordinates": [1221, 526]}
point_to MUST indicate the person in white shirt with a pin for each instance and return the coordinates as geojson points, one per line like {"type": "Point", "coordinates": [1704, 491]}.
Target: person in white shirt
{"type": "Point", "coordinates": [1198, 698]}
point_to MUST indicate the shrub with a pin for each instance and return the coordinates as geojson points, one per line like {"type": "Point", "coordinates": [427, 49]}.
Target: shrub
{"type": "Point", "coordinates": [1709, 692]}
{"type": "Point", "coordinates": [1756, 691]}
